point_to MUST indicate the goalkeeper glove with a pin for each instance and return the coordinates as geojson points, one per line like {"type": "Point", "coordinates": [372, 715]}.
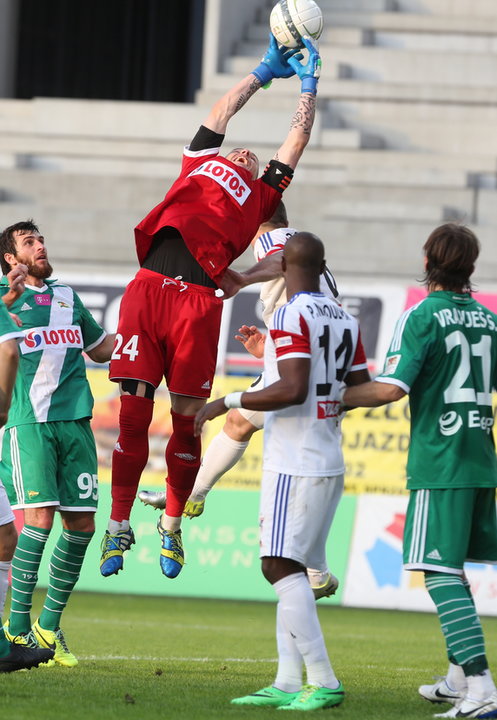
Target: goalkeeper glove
{"type": "Point", "coordinates": [275, 63]}
{"type": "Point", "coordinates": [310, 72]}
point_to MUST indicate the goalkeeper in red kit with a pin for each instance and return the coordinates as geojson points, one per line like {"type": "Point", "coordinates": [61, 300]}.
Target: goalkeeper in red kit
{"type": "Point", "coordinates": [170, 314]}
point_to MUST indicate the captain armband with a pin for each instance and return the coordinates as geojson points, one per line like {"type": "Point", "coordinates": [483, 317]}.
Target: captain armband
{"type": "Point", "coordinates": [277, 175]}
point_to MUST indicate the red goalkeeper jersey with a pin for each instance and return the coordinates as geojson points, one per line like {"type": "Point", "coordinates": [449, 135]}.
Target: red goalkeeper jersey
{"type": "Point", "coordinates": [216, 206]}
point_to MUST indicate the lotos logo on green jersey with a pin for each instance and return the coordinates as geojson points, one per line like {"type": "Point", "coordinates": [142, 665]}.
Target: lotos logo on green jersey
{"type": "Point", "coordinates": [53, 338]}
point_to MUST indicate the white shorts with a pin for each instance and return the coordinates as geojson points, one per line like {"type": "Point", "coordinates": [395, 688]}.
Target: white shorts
{"type": "Point", "coordinates": [296, 515]}
{"type": "Point", "coordinates": [255, 417]}
{"type": "Point", "coordinates": [6, 514]}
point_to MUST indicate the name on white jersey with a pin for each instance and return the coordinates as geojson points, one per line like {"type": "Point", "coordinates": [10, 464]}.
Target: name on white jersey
{"type": "Point", "coordinates": [332, 311]}
{"type": "Point", "coordinates": [43, 337]}
{"type": "Point", "coordinates": [226, 177]}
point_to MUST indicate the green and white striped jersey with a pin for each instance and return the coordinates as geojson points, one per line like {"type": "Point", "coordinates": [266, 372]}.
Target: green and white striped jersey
{"type": "Point", "coordinates": [8, 328]}
{"type": "Point", "coordinates": [444, 354]}
{"type": "Point", "coordinates": [51, 381]}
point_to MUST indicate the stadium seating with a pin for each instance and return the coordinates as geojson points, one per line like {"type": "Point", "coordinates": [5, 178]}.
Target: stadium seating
{"type": "Point", "coordinates": [404, 139]}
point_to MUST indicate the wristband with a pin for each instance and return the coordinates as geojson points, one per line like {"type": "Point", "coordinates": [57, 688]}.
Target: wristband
{"type": "Point", "coordinates": [233, 400]}
{"type": "Point", "coordinates": [309, 84]}
{"type": "Point", "coordinates": [263, 73]}
{"type": "Point", "coordinates": [341, 393]}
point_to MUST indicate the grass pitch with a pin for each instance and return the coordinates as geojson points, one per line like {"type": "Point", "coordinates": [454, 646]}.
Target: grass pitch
{"type": "Point", "coordinates": [174, 659]}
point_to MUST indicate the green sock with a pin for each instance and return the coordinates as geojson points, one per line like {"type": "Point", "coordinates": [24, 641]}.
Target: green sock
{"type": "Point", "coordinates": [4, 643]}
{"type": "Point", "coordinates": [64, 569]}
{"type": "Point", "coordinates": [466, 585]}
{"type": "Point", "coordinates": [460, 623]}
{"type": "Point", "coordinates": [25, 564]}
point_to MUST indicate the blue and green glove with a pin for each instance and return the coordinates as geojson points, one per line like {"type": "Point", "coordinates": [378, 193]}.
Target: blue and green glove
{"type": "Point", "coordinates": [310, 72]}
{"type": "Point", "coordinates": [275, 63]}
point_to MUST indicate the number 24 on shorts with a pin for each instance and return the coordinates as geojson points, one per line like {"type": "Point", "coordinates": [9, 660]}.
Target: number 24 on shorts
{"type": "Point", "coordinates": [130, 348]}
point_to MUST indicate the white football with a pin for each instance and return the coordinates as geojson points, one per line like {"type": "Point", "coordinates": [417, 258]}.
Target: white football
{"type": "Point", "coordinates": [290, 19]}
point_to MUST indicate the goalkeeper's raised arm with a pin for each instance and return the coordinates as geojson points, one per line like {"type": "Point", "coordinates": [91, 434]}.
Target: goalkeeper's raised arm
{"type": "Point", "coordinates": [303, 119]}
{"type": "Point", "coordinates": [274, 64]}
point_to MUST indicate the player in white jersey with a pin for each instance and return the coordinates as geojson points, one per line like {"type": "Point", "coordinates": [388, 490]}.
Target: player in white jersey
{"type": "Point", "coordinates": [313, 347]}
{"type": "Point", "coordinates": [228, 446]}
{"type": "Point", "coordinates": [48, 452]}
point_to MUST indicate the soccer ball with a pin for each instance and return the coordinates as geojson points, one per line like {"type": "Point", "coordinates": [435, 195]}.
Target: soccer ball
{"type": "Point", "coordinates": [290, 19]}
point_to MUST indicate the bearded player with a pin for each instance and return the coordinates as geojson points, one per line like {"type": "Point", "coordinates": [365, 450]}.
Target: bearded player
{"type": "Point", "coordinates": [49, 459]}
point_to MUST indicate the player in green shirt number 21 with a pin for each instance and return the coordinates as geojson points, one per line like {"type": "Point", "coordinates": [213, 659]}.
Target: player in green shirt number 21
{"type": "Point", "coordinates": [444, 355]}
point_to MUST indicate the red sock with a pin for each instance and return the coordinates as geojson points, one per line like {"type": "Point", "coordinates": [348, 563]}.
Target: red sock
{"type": "Point", "coordinates": [183, 461]}
{"type": "Point", "coordinates": [130, 454]}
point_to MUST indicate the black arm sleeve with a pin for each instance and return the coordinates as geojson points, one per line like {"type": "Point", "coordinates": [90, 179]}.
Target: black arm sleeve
{"type": "Point", "coordinates": [277, 175]}
{"type": "Point", "coordinates": [206, 139]}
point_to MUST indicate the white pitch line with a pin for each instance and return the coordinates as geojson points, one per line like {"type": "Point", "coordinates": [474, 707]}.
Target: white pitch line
{"type": "Point", "coordinates": [155, 624]}
{"type": "Point", "coordinates": [397, 669]}
{"type": "Point", "coordinates": [150, 658]}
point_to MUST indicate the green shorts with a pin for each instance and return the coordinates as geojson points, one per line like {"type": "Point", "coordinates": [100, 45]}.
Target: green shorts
{"type": "Point", "coordinates": [445, 528]}
{"type": "Point", "coordinates": [51, 463]}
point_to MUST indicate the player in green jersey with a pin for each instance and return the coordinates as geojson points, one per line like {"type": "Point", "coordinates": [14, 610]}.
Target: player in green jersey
{"type": "Point", "coordinates": [12, 656]}
{"type": "Point", "coordinates": [48, 452]}
{"type": "Point", "coordinates": [444, 355]}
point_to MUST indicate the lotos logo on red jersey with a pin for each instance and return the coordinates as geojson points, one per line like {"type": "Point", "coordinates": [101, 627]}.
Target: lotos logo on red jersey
{"type": "Point", "coordinates": [54, 338]}
{"type": "Point", "coordinates": [225, 176]}
{"type": "Point", "coordinates": [328, 409]}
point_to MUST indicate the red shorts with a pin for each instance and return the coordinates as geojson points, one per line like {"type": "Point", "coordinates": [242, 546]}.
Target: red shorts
{"type": "Point", "coordinates": [167, 328]}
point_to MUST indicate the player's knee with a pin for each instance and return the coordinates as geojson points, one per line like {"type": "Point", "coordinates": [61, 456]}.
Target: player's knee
{"type": "Point", "coordinates": [237, 427]}
{"type": "Point", "coordinates": [79, 521]}
{"type": "Point", "coordinates": [40, 517]}
{"type": "Point", "coordinates": [135, 415]}
{"type": "Point", "coordinates": [276, 568]}
{"type": "Point", "coordinates": [138, 388]}
{"type": "Point", "coordinates": [84, 526]}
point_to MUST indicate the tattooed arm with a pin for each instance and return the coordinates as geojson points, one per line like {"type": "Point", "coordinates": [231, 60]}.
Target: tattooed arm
{"type": "Point", "coordinates": [274, 64]}
{"type": "Point", "coordinates": [300, 131]}
{"type": "Point", "coordinates": [231, 103]}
